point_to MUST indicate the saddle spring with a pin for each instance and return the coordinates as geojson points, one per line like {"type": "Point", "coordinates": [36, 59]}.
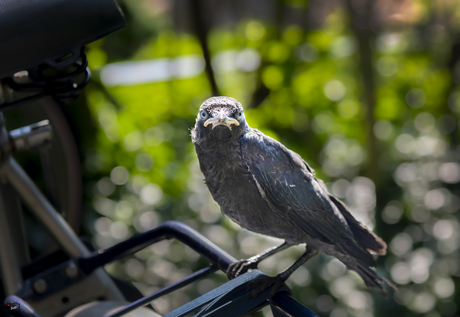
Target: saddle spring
{"type": "Point", "coordinates": [62, 77]}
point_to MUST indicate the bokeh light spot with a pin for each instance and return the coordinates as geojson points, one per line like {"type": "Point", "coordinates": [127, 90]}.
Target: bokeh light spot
{"type": "Point", "coordinates": [400, 273]}
{"type": "Point", "coordinates": [133, 140]}
{"type": "Point", "coordinates": [138, 182]}
{"type": "Point", "coordinates": [347, 108]}
{"type": "Point", "coordinates": [405, 143]}
{"type": "Point", "coordinates": [105, 186]}
{"type": "Point", "coordinates": [324, 303]}
{"type": "Point", "coordinates": [154, 136]}
{"type": "Point", "coordinates": [124, 210]}
{"type": "Point", "coordinates": [146, 221]}
{"type": "Point", "coordinates": [401, 244]}
{"type": "Point", "coordinates": [420, 214]}
{"type": "Point", "coordinates": [340, 187]}
{"type": "Point", "coordinates": [301, 277]}
{"type": "Point", "coordinates": [383, 129]}
{"type": "Point", "coordinates": [423, 302]}
{"type": "Point", "coordinates": [444, 287]}
{"type": "Point", "coordinates": [254, 30]}
{"type": "Point", "coordinates": [102, 225]}
{"type": "Point", "coordinates": [392, 212]}
{"type": "Point", "coordinates": [272, 77]}
{"type": "Point", "coordinates": [342, 47]}
{"type": "Point", "coordinates": [449, 172]}
{"type": "Point", "coordinates": [336, 268]}
{"type": "Point", "coordinates": [356, 300]}
{"type": "Point", "coordinates": [443, 229]}
{"type": "Point", "coordinates": [424, 122]}
{"type": "Point", "coordinates": [416, 98]}
{"type": "Point", "coordinates": [323, 122]}
{"type": "Point", "coordinates": [307, 52]}
{"type": "Point", "coordinates": [435, 199]}
{"type": "Point", "coordinates": [144, 162]}
{"type": "Point", "coordinates": [119, 230]}
{"type": "Point", "coordinates": [278, 52]}
{"type": "Point", "coordinates": [119, 175]}
{"type": "Point", "coordinates": [334, 90]}
{"type": "Point", "coordinates": [387, 66]}
{"type": "Point", "coordinates": [134, 268]}
{"type": "Point", "coordinates": [342, 286]}
{"type": "Point", "coordinates": [151, 194]}
{"type": "Point", "coordinates": [248, 59]}
{"type": "Point", "coordinates": [420, 262]}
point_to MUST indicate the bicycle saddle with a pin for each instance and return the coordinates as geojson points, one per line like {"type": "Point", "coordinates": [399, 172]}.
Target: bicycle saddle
{"type": "Point", "coordinates": [48, 31]}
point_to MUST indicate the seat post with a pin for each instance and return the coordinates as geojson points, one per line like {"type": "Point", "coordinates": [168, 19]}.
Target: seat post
{"type": "Point", "coordinates": [13, 249]}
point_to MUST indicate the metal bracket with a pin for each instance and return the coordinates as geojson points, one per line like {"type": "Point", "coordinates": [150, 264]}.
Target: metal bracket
{"type": "Point", "coordinates": [51, 281]}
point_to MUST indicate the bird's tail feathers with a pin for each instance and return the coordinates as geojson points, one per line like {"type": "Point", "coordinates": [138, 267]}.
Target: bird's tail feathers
{"type": "Point", "coordinates": [369, 276]}
{"type": "Point", "coordinates": [355, 250]}
{"type": "Point", "coordinates": [372, 279]}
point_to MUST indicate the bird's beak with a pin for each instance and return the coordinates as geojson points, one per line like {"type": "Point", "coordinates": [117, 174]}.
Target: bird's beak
{"type": "Point", "coordinates": [221, 119]}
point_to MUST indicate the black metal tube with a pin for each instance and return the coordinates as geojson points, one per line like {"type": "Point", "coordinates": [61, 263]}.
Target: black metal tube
{"type": "Point", "coordinates": [42, 209]}
{"type": "Point", "coordinates": [283, 304]}
{"type": "Point", "coordinates": [65, 138]}
{"type": "Point", "coordinates": [164, 291]}
{"type": "Point", "coordinates": [167, 230]}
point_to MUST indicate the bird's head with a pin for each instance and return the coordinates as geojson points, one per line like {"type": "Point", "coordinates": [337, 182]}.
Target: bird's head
{"type": "Point", "coordinates": [219, 119]}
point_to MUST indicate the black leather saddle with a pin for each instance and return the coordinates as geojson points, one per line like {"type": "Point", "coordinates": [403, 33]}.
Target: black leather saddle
{"type": "Point", "coordinates": [33, 32]}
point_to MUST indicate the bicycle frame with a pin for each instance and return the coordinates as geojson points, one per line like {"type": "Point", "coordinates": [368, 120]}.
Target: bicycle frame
{"type": "Point", "coordinates": [16, 183]}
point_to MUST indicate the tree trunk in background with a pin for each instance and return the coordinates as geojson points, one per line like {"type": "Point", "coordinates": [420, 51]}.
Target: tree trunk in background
{"type": "Point", "coordinates": [201, 26]}
{"type": "Point", "coordinates": [361, 14]}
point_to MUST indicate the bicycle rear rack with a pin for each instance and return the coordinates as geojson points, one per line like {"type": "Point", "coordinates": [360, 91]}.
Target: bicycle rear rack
{"type": "Point", "coordinates": [230, 299]}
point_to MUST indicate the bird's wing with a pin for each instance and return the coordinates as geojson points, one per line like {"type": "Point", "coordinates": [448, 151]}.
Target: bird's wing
{"type": "Point", "coordinates": [365, 237]}
{"type": "Point", "coordinates": [289, 186]}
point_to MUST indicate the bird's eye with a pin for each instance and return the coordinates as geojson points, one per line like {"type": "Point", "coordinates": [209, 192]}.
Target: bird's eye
{"type": "Point", "coordinates": [203, 114]}
{"type": "Point", "coordinates": [239, 115]}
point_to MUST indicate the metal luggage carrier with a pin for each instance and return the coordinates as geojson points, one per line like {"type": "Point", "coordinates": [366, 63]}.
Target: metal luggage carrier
{"type": "Point", "coordinates": [230, 299]}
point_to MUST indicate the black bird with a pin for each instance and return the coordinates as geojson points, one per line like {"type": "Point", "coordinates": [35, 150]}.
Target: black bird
{"type": "Point", "coordinates": [266, 188]}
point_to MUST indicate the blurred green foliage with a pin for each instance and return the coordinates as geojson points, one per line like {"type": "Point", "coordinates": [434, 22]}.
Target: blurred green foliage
{"type": "Point", "coordinates": [393, 157]}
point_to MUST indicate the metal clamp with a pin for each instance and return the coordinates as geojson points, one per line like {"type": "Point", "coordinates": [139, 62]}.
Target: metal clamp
{"type": "Point", "coordinates": [25, 138]}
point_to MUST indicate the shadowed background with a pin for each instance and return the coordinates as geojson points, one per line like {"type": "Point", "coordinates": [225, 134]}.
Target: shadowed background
{"type": "Point", "coordinates": [365, 91]}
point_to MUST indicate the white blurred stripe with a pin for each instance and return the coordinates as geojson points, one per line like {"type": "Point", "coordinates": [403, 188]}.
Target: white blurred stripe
{"type": "Point", "coordinates": [141, 72]}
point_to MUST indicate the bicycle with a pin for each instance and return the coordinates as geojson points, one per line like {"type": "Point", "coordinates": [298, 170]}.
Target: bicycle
{"type": "Point", "coordinates": [72, 281]}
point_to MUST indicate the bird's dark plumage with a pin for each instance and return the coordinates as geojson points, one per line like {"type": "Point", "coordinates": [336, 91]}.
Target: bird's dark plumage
{"type": "Point", "coordinates": [269, 189]}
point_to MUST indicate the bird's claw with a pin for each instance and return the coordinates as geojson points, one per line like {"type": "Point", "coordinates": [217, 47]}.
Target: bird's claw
{"type": "Point", "coordinates": [261, 284]}
{"type": "Point", "coordinates": [240, 267]}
